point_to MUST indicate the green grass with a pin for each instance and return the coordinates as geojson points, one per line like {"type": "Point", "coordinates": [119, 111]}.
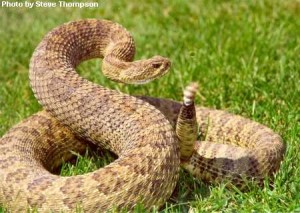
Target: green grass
{"type": "Point", "coordinates": [244, 54]}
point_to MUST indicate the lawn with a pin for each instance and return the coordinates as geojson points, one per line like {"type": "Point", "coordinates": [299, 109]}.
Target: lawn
{"type": "Point", "coordinates": [243, 54]}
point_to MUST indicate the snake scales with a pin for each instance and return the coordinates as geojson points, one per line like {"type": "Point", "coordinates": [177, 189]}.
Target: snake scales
{"type": "Point", "coordinates": [134, 128]}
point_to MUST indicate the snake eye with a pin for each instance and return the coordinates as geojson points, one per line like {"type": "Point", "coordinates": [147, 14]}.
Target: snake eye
{"type": "Point", "coordinates": [156, 65]}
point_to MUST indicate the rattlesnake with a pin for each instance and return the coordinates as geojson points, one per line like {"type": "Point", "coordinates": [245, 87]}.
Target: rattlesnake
{"type": "Point", "coordinates": [140, 130]}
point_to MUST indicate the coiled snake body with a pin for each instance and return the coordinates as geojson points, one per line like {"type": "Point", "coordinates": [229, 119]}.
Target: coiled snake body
{"type": "Point", "coordinates": [140, 130]}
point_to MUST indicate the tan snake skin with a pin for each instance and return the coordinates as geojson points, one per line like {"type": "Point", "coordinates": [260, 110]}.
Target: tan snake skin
{"type": "Point", "coordinates": [147, 167]}
{"type": "Point", "coordinates": [231, 147]}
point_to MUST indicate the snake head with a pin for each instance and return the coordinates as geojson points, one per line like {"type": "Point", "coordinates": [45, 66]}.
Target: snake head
{"type": "Point", "coordinates": [144, 71]}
